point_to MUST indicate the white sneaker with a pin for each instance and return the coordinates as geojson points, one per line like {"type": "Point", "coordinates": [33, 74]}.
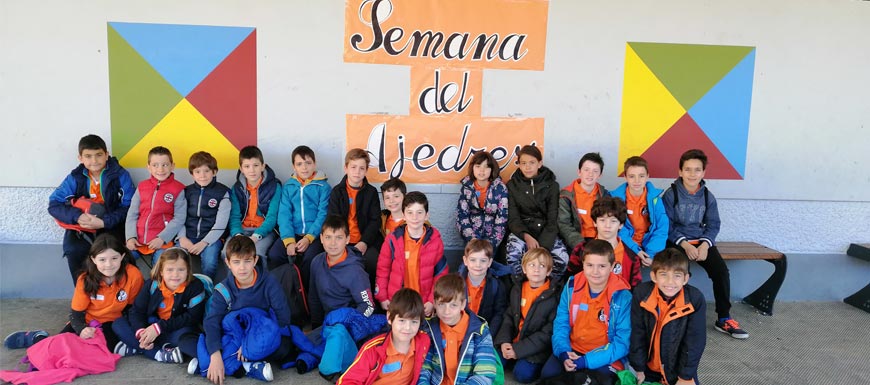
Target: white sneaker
{"type": "Point", "coordinates": [193, 366]}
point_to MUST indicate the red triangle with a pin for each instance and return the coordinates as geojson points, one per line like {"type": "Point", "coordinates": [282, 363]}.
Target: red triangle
{"type": "Point", "coordinates": [663, 156]}
{"type": "Point", "coordinates": [227, 97]}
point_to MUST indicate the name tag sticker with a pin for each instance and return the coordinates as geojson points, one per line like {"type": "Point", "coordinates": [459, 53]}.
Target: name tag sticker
{"type": "Point", "coordinates": [584, 306]}
{"type": "Point", "coordinates": [99, 297]}
{"type": "Point", "coordinates": [581, 211]}
{"type": "Point", "coordinates": [630, 212]}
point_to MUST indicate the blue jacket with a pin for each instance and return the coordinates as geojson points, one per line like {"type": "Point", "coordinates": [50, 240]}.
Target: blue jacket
{"type": "Point", "coordinates": [303, 207]}
{"type": "Point", "coordinates": [657, 235]}
{"type": "Point", "coordinates": [116, 187]}
{"type": "Point", "coordinates": [344, 285]}
{"type": "Point", "coordinates": [494, 301]}
{"type": "Point", "coordinates": [266, 294]}
{"type": "Point", "coordinates": [269, 188]}
{"type": "Point", "coordinates": [255, 331]}
{"type": "Point", "coordinates": [208, 212]}
{"type": "Point", "coordinates": [618, 329]}
{"type": "Point", "coordinates": [478, 363]}
{"type": "Point", "coordinates": [692, 216]}
{"type": "Point", "coordinates": [488, 222]}
{"type": "Point", "coordinates": [187, 307]}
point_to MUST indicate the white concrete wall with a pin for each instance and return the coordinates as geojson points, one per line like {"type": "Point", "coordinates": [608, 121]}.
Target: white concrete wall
{"type": "Point", "coordinates": [806, 182]}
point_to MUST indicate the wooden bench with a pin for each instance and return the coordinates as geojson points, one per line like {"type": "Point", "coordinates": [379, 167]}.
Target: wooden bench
{"type": "Point", "coordinates": [861, 298]}
{"type": "Point", "coordinates": [763, 297]}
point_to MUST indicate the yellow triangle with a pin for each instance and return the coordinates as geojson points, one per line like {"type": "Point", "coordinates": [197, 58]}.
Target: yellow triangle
{"type": "Point", "coordinates": [184, 131]}
{"type": "Point", "coordinates": [648, 109]}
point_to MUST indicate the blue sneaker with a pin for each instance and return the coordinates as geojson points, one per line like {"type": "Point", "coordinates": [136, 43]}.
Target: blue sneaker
{"type": "Point", "coordinates": [123, 350]}
{"type": "Point", "coordinates": [169, 354]}
{"type": "Point", "coordinates": [23, 338]}
{"type": "Point", "coordinates": [260, 370]}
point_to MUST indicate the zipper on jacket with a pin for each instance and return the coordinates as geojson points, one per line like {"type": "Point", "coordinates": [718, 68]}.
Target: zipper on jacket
{"type": "Point", "coordinates": [302, 208]}
{"type": "Point", "coordinates": [199, 213]}
{"type": "Point", "coordinates": [148, 219]}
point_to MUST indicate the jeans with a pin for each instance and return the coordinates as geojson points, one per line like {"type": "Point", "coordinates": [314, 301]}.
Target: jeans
{"type": "Point", "coordinates": [210, 257]}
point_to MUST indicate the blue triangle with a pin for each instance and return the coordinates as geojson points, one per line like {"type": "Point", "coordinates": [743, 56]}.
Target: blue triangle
{"type": "Point", "coordinates": [723, 113]}
{"type": "Point", "coordinates": [183, 54]}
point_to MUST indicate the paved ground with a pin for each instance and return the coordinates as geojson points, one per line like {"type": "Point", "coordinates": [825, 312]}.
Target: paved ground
{"type": "Point", "coordinates": [803, 343]}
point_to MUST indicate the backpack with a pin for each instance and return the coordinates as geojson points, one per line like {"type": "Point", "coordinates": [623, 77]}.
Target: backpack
{"type": "Point", "coordinates": [290, 279]}
{"type": "Point", "coordinates": [208, 289]}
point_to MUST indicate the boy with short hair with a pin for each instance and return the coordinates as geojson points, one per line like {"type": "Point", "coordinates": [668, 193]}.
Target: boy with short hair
{"type": "Point", "coordinates": [609, 214]}
{"type": "Point", "coordinates": [208, 211]}
{"type": "Point", "coordinates": [255, 200]}
{"type": "Point", "coordinates": [575, 201]}
{"type": "Point", "coordinates": [667, 323]}
{"type": "Point", "coordinates": [357, 201]}
{"type": "Point", "coordinates": [394, 191]}
{"type": "Point", "coordinates": [524, 336]}
{"type": "Point", "coordinates": [592, 328]}
{"type": "Point", "coordinates": [395, 357]}
{"type": "Point", "coordinates": [646, 230]}
{"type": "Point", "coordinates": [158, 209]}
{"type": "Point", "coordinates": [487, 295]}
{"type": "Point", "coordinates": [694, 224]}
{"type": "Point", "coordinates": [248, 286]}
{"type": "Point", "coordinates": [304, 199]}
{"type": "Point", "coordinates": [412, 256]}
{"type": "Point", "coordinates": [100, 180]}
{"type": "Point", "coordinates": [461, 351]}
{"type": "Point", "coordinates": [338, 277]}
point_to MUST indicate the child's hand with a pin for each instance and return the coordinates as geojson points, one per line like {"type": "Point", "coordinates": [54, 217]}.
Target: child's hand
{"type": "Point", "coordinates": [640, 377]}
{"type": "Point", "coordinates": [531, 242]}
{"type": "Point", "coordinates": [691, 251]}
{"type": "Point", "coordinates": [702, 251]}
{"type": "Point", "coordinates": [569, 364]}
{"type": "Point", "coordinates": [133, 243]}
{"type": "Point", "coordinates": [155, 243]}
{"type": "Point", "coordinates": [148, 336]}
{"type": "Point", "coordinates": [644, 258]}
{"type": "Point", "coordinates": [385, 305]}
{"type": "Point", "coordinates": [185, 243]}
{"type": "Point", "coordinates": [216, 368]}
{"type": "Point", "coordinates": [428, 309]}
{"type": "Point", "coordinates": [88, 332]}
{"type": "Point", "coordinates": [198, 247]}
{"type": "Point", "coordinates": [302, 244]}
{"type": "Point", "coordinates": [89, 221]}
{"type": "Point", "coordinates": [239, 355]}
{"type": "Point", "coordinates": [681, 381]}
{"type": "Point", "coordinates": [507, 351]}
{"type": "Point", "coordinates": [291, 249]}
{"type": "Point", "coordinates": [362, 247]}
{"type": "Point", "coordinates": [254, 238]}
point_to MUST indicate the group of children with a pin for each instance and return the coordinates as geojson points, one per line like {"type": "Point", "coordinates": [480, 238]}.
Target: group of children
{"type": "Point", "coordinates": [575, 254]}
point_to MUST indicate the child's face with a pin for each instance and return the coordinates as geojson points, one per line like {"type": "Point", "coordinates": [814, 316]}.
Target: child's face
{"type": "Point", "coordinates": [94, 160]}
{"type": "Point", "coordinates": [108, 262]}
{"type": "Point", "coordinates": [203, 175]}
{"type": "Point", "coordinates": [174, 273]}
{"type": "Point", "coordinates": [415, 216]}
{"type": "Point", "coordinates": [403, 329]}
{"type": "Point", "coordinates": [304, 167]}
{"type": "Point", "coordinates": [636, 177]}
{"type": "Point", "coordinates": [334, 241]}
{"type": "Point", "coordinates": [482, 171]}
{"type": "Point", "coordinates": [160, 166]}
{"type": "Point", "coordinates": [477, 263]}
{"type": "Point", "coordinates": [252, 169]}
{"type": "Point", "coordinates": [356, 171]}
{"type": "Point", "coordinates": [450, 312]}
{"type": "Point", "coordinates": [529, 165]}
{"type": "Point", "coordinates": [670, 282]}
{"type": "Point", "coordinates": [536, 272]}
{"type": "Point", "coordinates": [393, 200]}
{"type": "Point", "coordinates": [692, 173]}
{"type": "Point", "coordinates": [242, 268]}
{"type": "Point", "coordinates": [597, 270]}
{"type": "Point", "coordinates": [608, 227]}
{"type": "Point", "coordinates": [589, 173]}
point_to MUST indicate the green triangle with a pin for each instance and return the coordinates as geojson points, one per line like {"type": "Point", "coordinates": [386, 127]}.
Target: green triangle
{"type": "Point", "coordinates": [138, 95]}
{"type": "Point", "coordinates": [688, 71]}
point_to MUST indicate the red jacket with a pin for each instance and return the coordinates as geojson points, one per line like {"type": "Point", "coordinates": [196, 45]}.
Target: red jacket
{"type": "Point", "coordinates": [157, 201]}
{"type": "Point", "coordinates": [367, 365]}
{"type": "Point", "coordinates": [391, 270]}
{"type": "Point", "coordinates": [628, 271]}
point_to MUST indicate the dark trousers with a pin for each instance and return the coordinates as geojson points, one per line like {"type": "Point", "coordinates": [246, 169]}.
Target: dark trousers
{"type": "Point", "coordinates": [185, 338]}
{"type": "Point", "coordinates": [525, 372]}
{"type": "Point", "coordinates": [278, 256]}
{"type": "Point", "coordinates": [554, 367]}
{"type": "Point", "coordinates": [718, 272]}
{"type": "Point", "coordinates": [111, 338]}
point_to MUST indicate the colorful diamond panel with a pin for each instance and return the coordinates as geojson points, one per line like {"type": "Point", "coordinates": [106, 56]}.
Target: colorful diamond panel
{"type": "Point", "coordinates": [185, 87]}
{"type": "Point", "coordinates": [682, 96]}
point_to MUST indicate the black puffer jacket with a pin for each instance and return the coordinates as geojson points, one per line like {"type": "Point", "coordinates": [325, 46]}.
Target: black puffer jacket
{"type": "Point", "coordinates": [533, 206]}
{"type": "Point", "coordinates": [534, 343]}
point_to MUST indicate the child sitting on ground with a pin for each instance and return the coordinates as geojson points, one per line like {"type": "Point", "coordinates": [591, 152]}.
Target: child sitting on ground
{"type": "Point", "coordinates": [395, 357]}
{"type": "Point", "coordinates": [164, 320]}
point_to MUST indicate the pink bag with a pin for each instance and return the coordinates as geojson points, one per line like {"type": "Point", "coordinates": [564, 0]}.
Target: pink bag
{"type": "Point", "coordinates": [62, 358]}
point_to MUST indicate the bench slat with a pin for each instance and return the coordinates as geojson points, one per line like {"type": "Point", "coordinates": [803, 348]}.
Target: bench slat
{"type": "Point", "coordinates": [746, 250]}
